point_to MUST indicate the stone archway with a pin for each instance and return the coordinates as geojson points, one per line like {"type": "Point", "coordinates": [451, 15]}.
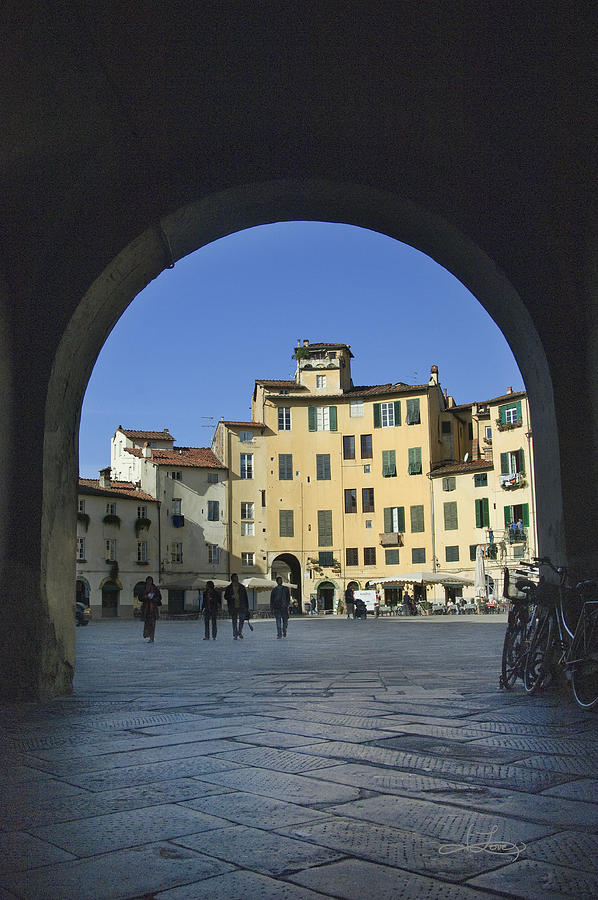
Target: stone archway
{"type": "Point", "coordinates": [289, 568]}
{"type": "Point", "coordinates": [190, 228]}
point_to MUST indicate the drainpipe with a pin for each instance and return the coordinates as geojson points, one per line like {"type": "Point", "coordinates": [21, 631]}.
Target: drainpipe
{"type": "Point", "coordinates": [159, 540]}
{"type": "Point", "coordinates": [230, 501]}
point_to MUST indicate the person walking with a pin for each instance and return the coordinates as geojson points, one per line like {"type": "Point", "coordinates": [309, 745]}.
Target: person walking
{"type": "Point", "coordinates": [280, 599]}
{"type": "Point", "coordinates": [211, 603]}
{"type": "Point", "coordinates": [350, 602]}
{"type": "Point", "coordinates": [151, 599]}
{"type": "Point", "coordinates": [238, 604]}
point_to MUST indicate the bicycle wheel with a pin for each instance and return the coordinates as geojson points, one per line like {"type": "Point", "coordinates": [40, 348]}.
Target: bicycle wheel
{"type": "Point", "coordinates": [537, 661]}
{"type": "Point", "coordinates": [584, 678]}
{"type": "Point", "coordinates": [513, 650]}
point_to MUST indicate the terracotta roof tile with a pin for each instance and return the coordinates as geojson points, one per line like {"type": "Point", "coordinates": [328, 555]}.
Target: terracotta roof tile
{"type": "Point", "coordinates": [514, 395]}
{"type": "Point", "coordinates": [136, 435]}
{"type": "Point", "coordinates": [472, 465]}
{"type": "Point", "coordinates": [278, 382]}
{"type": "Point", "coordinates": [197, 457]}
{"type": "Point", "coordinates": [117, 489]}
{"type": "Point", "coordinates": [244, 424]}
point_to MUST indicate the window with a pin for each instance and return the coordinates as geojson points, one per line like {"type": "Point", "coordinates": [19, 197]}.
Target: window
{"type": "Point", "coordinates": [285, 466]}
{"type": "Point", "coordinates": [247, 510]}
{"type": "Point", "coordinates": [321, 418]}
{"type": "Point", "coordinates": [394, 519]}
{"type": "Point", "coordinates": [285, 522]}
{"type": "Point", "coordinates": [351, 556]}
{"type": "Point", "coordinates": [488, 434]}
{"type": "Point", "coordinates": [176, 476]}
{"type": "Point", "coordinates": [111, 509]}
{"type": "Point", "coordinates": [418, 555]}
{"type": "Point", "coordinates": [391, 557]}
{"type": "Point", "coordinates": [213, 511]}
{"type": "Point", "coordinates": [510, 413]}
{"type": "Point", "coordinates": [450, 516]}
{"type": "Point", "coordinates": [176, 506]}
{"type": "Point", "coordinates": [322, 466]}
{"type": "Point", "coordinates": [212, 477]}
{"type": "Point", "coordinates": [366, 446]}
{"type": "Point", "coordinates": [141, 551]}
{"type": "Point", "coordinates": [387, 415]}
{"type": "Point", "coordinates": [369, 556]}
{"type": "Point", "coordinates": [81, 507]}
{"type": "Point", "coordinates": [325, 558]}
{"type": "Point", "coordinates": [480, 480]}
{"type": "Point", "coordinates": [81, 549]}
{"type": "Point", "coordinates": [473, 549]}
{"type": "Point", "coordinates": [111, 549]}
{"type": "Point", "coordinates": [247, 466]}
{"type": "Point", "coordinates": [246, 437]}
{"type": "Point", "coordinates": [176, 553]}
{"type": "Point", "coordinates": [142, 512]}
{"type": "Point", "coordinates": [350, 500]}
{"type": "Point", "coordinates": [415, 461]}
{"type": "Point", "coordinates": [247, 560]}
{"type": "Point", "coordinates": [367, 469]}
{"type": "Point", "coordinates": [446, 427]}
{"type": "Point", "coordinates": [320, 382]}
{"type": "Point", "coordinates": [367, 500]}
{"type": "Point", "coordinates": [368, 523]}
{"type": "Point", "coordinates": [213, 554]}
{"type": "Point", "coordinates": [413, 414]}
{"type": "Point", "coordinates": [349, 446]}
{"type": "Point", "coordinates": [263, 493]}
{"type": "Point", "coordinates": [451, 554]}
{"type": "Point", "coordinates": [449, 484]}
{"type": "Point", "coordinates": [247, 529]}
{"type": "Point", "coordinates": [518, 551]}
{"type": "Point", "coordinates": [516, 512]}
{"type": "Point", "coordinates": [482, 514]}
{"type": "Point", "coordinates": [324, 528]}
{"type": "Point", "coordinates": [356, 409]}
{"type": "Point", "coordinates": [389, 463]}
{"type": "Point", "coordinates": [512, 462]}
{"type": "Point", "coordinates": [417, 519]}
{"type": "Point", "coordinates": [284, 418]}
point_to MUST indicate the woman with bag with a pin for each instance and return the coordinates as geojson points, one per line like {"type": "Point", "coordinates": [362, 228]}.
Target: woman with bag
{"type": "Point", "coordinates": [210, 606]}
{"type": "Point", "coordinates": [151, 599]}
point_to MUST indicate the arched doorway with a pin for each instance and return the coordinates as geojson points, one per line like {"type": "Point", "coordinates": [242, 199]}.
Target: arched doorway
{"type": "Point", "coordinates": [199, 223]}
{"type": "Point", "coordinates": [326, 597]}
{"type": "Point", "coordinates": [110, 600]}
{"type": "Point", "coordinates": [288, 567]}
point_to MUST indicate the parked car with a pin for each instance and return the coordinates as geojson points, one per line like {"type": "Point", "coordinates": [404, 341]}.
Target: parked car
{"type": "Point", "coordinates": [82, 613]}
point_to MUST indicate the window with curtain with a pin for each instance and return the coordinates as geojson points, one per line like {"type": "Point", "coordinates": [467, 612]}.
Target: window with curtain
{"type": "Point", "coordinates": [366, 446]}
{"type": "Point", "coordinates": [394, 519]}
{"type": "Point", "coordinates": [388, 414]}
{"type": "Point", "coordinates": [349, 446]}
{"type": "Point", "coordinates": [350, 500]}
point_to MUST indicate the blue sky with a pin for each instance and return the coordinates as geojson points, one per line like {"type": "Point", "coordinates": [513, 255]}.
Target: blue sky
{"type": "Point", "coordinates": [188, 348]}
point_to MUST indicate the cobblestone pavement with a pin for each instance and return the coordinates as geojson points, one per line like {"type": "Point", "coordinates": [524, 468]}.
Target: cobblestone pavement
{"type": "Point", "coordinates": [351, 759]}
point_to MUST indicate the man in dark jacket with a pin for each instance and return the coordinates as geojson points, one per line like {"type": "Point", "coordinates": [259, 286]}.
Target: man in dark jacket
{"type": "Point", "coordinates": [238, 604]}
{"type": "Point", "coordinates": [210, 606]}
{"type": "Point", "coordinates": [280, 599]}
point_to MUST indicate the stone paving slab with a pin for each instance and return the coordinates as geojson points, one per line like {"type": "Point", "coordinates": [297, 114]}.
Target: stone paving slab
{"type": "Point", "coordinates": [280, 739]}
{"type": "Point", "coordinates": [528, 879]}
{"type": "Point", "coordinates": [276, 760]}
{"type": "Point", "coordinates": [356, 879]}
{"type": "Point", "coordinates": [131, 775]}
{"type": "Point", "coordinates": [240, 885]}
{"type": "Point", "coordinates": [301, 789]}
{"type": "Point", "coordinates": [115, 876]}
{"type": "Point", "coordinates": [392, 846]}
{"type": "Point", "coordinates": [581, 789]}
{"type": "Point", "coordinates": [19, 851]}
{"type": "Point", "coordinates": [497, 775]}
{"type": "Point", "coordinates": [116, 831]}
{"type": "Point", "coordinates": [452, 748]}
{"type": "Point", "coordinates": [261, 851]}
{"type": "Point", "coordinates": [533, 744]}
{"type": "Point", "coordinates": [447, 823]}
{"type": "Point", "coordinates": [571, 765]}
{"type": "Point", "coordinates": [248, 809]}
{"type": "Point", "coordinates": [393, 781]}
{"type": "Point", "coordinates": [574, 849]}
{"type": "Point", "coordinates": [316, 730]}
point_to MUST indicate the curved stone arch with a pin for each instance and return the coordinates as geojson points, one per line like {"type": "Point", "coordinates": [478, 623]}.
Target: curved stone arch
{"type": "Point", "coordinates": [321, 581]}
{"type": "Point", "coordinates": [108, 580]}
{"type": "Point", "coordinates": [215, 216]}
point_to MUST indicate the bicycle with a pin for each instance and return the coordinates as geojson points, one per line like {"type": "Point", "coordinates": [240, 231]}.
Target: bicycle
{"type": "Point", "coordinates": [519, 623]}
{"type": "Point", "coordinates": [564, 636]}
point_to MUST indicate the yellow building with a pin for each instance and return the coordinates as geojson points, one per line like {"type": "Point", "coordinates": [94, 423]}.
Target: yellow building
{"type": "Point", "coordinates": [328, 484]}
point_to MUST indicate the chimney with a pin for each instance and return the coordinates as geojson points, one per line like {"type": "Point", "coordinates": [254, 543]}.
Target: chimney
{"type": "Point", "coordinates": [434, 375]}
{"type": "Point", "coordinates": [305, 342]}
{"type": "Point", "coordinates": [475, 449]}
{"type": "Point", "coordinates": [105, 477]}
{"type": "Point", "coordinates": [146, 451]}
{"type": "Point", "coordinates": [298, 342]}
{"type": "Point", "coordinates": [509, 390]}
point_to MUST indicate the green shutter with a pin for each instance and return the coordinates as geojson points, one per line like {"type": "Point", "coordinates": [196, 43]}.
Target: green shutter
{"type": "Point", "coordinates": [401, 525]}
{"type": "Point", "coordinates": [519, 416]}
{"type": "Point", "coordinates": [324, 528]}
{"type": "Point", "coordinates": [391, 557]}
{"type": "Point", "coordinates": [377, 416]}
{"type": "Point", "coordinates": [478, 514]}
{"type": "Point", "coordinates": [504, 463]}
{"type": "Point", "coordinates": [413, 413]}
{"type": "Point", "coordinates": [387, 519]}
{"type": "Point", "coordinates": [521, 461]}
{"type": "Point", "coordinates": [397, 406]}
{"type": "Point", "coordinates": [332, 417]}
{"type": "Point", "coordinates": [417, 519]}
{"type": "Point", "coordinates": [525, 515]}
{"type": "Point", "coordinates": [415, 460]}
{"type": "Point", "coordinates": [311, 418]}
{"type": "Point", "coordinates": [450, 516]}
{"type": "Point", "coordinates": [508, 516]}
{"type": "Point", "coordinates": [286, 523]}
{"type": "Point", "coordinates": [485, 512]}
{"type": "Point", "coordinates": [502, 415]}
{"type": "Point", "coordinates": [389, 463]}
